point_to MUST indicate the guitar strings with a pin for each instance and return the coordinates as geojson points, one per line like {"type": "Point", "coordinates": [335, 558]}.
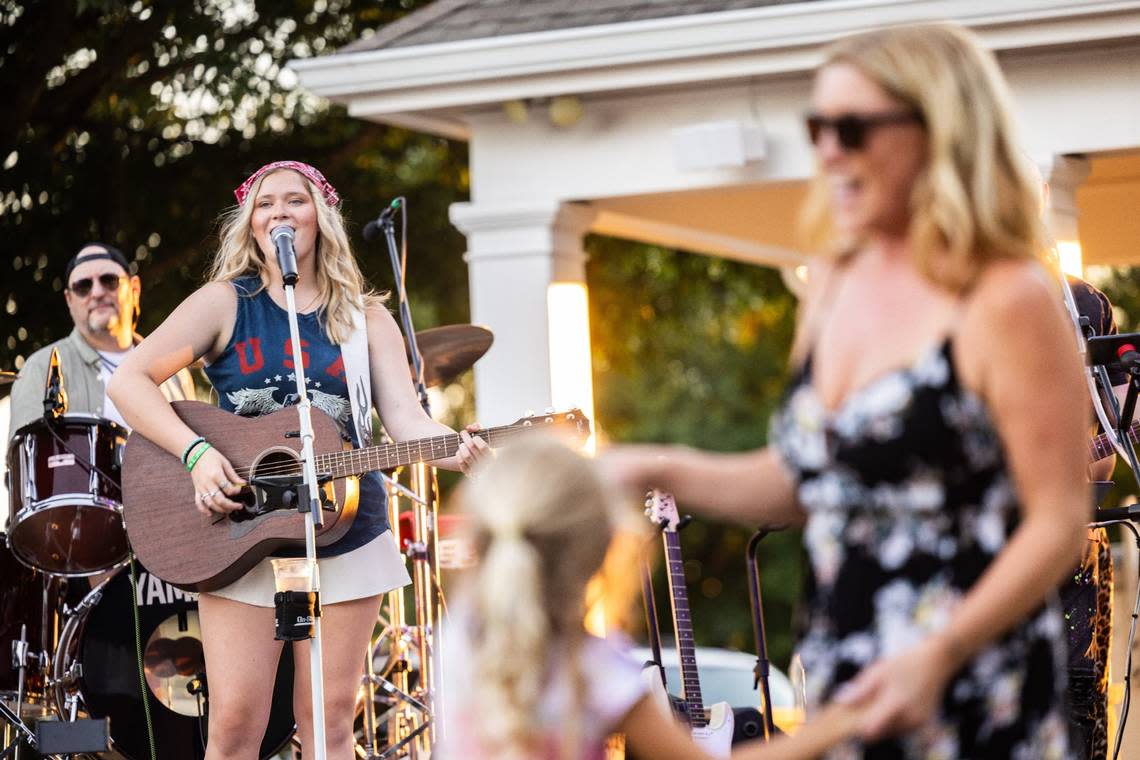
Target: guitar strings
{"type": "Point", "coordinates": [365, 457]}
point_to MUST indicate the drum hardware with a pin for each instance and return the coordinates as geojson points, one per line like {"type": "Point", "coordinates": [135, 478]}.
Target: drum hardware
{"type": "Point", "coordinates": [15, 731]}
{"type": "Point", "coordinates": [409, 715]}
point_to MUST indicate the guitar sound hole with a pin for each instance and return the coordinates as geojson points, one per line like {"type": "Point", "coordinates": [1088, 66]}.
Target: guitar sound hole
{"type": "Point", "coordinates": [277, 462]}
{"type": "Point", "coordinates": [262, 499]}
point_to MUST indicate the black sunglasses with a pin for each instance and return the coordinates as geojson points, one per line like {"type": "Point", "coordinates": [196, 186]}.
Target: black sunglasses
{"type": "Point", "coordinates": [851, 129]}
{"type": "Point", "coordinates": [82, 287]}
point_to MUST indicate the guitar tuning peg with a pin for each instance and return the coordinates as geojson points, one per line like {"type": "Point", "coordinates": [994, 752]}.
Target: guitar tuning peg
{"type": "Point", "coordinates": [548, 410]}
{"type": "Point", "coordinates": [648, 511]}
{"type": "Point", "coordinates": [648, 503]}
{"type": "Point", "coordinates": [528, 413]}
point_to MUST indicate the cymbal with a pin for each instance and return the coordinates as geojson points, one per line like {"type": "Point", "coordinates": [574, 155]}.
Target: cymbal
{"type": "Point", "coordinates": [7, 377]}
{"type": "Point", "coordinates": [451, 349]}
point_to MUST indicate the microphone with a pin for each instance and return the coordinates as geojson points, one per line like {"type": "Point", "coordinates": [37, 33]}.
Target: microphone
{"type": "Point", "coordinates": [55, 396]}
{"type": "Point", "coordinates": [1117, 513]}
{"type": "Point", "coordinates": [282, 237]}
{"type": "Point", "coordinates": [373, 229]}
{"type": "Point", "coordinates": [1129, 357]}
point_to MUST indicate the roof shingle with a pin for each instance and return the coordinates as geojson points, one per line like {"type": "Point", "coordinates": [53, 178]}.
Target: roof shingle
{"type": "Point", "coordinates": [455, 20]}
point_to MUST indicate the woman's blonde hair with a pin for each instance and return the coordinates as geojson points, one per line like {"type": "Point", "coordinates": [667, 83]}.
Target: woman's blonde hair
{"type": "Point", "coordinates": [542, 522]}
{"type": "Point", "coordinates": [976, 199]}
{"type": "Point", "coordinates": [341, 285]}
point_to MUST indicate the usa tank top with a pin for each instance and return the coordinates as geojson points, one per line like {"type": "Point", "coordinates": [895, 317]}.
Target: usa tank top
{"type": "Point", "coordinates": [255, 375]}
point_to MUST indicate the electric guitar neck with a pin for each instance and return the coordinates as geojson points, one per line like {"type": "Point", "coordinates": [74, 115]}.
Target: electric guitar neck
{"type": "Point", "coordinates": [711, 728]}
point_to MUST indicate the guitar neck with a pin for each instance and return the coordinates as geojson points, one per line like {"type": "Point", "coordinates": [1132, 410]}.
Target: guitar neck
{"type": "Point", "coordinates": [1100, 446]}
{"type": "Point", "coordinates": [683, 625]}
{"type": "Point", "coordinates": [342, 464]}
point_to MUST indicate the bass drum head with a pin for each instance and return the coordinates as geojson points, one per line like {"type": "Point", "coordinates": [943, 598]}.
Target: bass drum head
{"type": "Point", "coordinates": [172, 656]}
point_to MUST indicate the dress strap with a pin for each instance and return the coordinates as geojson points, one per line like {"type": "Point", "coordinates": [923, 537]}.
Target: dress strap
{"type": "Point", "coordinates": [820, 313]}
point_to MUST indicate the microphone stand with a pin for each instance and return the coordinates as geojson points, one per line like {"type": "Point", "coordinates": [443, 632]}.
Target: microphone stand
{"type": "Point", "coordinates": [763, 664]}
{"type": "Point", "coordinates": [423, 548]}
{"type": "Point", "coordinates": [651, 625]}
{"type": "Point", "coordinates": [313, 518]}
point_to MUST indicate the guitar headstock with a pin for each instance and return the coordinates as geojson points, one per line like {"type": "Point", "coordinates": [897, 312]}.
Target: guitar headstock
{"type": "Point", "coordinates": [661, 509]}
{"type": "Point", "coordinates": [571, 422]}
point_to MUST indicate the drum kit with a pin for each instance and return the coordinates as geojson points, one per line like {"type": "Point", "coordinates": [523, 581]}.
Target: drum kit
{"type": "Point", "coordinates": [77, 615]}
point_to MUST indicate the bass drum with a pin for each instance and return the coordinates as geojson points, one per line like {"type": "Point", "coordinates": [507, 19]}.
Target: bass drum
{"type": "Point", "coordinates": [96, 659]}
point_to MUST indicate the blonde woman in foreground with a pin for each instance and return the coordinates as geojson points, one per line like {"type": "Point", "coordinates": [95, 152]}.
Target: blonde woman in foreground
{"type": "Point", "coordinates": [522, 678]}
{"type": "Point", "coordinates": [930, 442]}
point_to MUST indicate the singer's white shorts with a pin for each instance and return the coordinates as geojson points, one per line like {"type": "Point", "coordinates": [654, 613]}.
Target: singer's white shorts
{"type": "Point", "coordinates": [375, 568]}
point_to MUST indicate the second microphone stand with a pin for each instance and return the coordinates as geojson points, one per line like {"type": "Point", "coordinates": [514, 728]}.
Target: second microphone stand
{"type": "Point", "coordinates": [423, 548]}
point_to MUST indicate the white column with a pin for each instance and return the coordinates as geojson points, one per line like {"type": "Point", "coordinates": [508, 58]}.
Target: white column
{"type": "Point", "coordinates": [514, 253]}
{"type": "Point", "coordinates": [1063, 175]}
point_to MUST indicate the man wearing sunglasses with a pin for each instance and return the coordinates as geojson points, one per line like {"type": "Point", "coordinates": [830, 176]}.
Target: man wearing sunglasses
{"type": "Point", "coordinates": [102, 297]}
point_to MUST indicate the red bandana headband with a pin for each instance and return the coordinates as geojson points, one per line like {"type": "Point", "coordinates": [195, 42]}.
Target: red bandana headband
{"type": "Point", "coordinates": [309, 172]}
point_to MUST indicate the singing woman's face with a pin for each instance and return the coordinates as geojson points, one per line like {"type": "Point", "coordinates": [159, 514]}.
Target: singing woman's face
{"type": "Point", "coordinates": [284, 199]}
{"type": "Point", "coordinates": [871, 178]}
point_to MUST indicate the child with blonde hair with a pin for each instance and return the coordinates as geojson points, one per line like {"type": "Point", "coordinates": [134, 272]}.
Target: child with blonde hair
{"type": "Point", "coordinates": [522, 677]}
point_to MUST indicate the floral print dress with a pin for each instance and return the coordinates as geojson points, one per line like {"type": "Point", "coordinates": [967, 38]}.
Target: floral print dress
{"type": "Point", "coordinates": [908, 499]}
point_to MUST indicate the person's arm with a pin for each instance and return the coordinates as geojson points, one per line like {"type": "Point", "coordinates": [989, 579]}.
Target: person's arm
{"type": "Point", "coordinates": [395, 395]}
{"type": "Point", "coordinates": [653, 735]}
{"type": "Point", "coordinates": [1028, 379]}
{"type": "Point", "coordinates": [200, 326]}
{"type": "Point", "coordinates": [752, 487]}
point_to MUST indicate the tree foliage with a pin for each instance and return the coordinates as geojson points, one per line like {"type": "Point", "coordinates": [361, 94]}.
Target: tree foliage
{"type": "Point", "coordinates": [692, 349]}
{"type": "Point", "coordinates": [131, 123]}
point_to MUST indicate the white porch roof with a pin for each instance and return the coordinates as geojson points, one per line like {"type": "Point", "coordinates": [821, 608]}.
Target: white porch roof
{"type": "Point", "coordinates": [1074, 68]}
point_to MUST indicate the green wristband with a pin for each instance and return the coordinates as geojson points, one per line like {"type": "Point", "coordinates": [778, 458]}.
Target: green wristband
{"type": "Point", "coordinates": [198, 452]}
{"type": "Point", "coordinates": [190, 447]}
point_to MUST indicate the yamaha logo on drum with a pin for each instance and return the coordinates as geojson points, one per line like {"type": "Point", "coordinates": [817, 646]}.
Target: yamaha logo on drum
{"type": "Point", "coordinates": [153, 590]}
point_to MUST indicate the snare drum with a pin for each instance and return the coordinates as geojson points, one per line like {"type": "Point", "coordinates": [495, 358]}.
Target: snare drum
{"type": "Point", "coordinates": [66, 514]}
{"type": "Point", "coordinates": [96, 659]}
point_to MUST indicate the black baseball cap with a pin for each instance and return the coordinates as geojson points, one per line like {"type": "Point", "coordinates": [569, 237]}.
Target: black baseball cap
{"type": "Point", "coordinates": [109, 252]}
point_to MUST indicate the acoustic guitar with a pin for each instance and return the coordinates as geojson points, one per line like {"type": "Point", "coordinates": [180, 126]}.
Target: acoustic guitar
{"type": "Point", "coordinates": [196, 552]}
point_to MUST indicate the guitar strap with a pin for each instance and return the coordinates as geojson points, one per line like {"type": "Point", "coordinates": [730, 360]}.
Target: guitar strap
{"type": "Point", "coordinates": [358, 376]}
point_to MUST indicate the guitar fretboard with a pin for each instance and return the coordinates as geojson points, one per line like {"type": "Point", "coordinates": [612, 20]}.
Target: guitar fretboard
{"type": "Point", "coordinates": [1100, 446]}
{"type": "Point", "coordinates": [342, 464]}
{"type": "Point", "coordinates": [683, 625]}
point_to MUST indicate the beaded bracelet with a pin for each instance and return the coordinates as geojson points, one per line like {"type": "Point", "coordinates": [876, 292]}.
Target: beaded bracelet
{"type": "Point", "coordinates": [190, 447]}
{"type": "Point", "coordinates": [197, 455]}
